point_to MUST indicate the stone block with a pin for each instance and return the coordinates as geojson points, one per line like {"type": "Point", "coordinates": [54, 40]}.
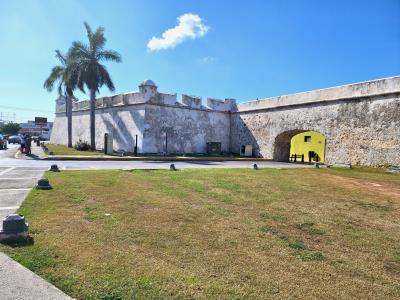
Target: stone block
{"type": "Point", "coordinates": [14, 229]}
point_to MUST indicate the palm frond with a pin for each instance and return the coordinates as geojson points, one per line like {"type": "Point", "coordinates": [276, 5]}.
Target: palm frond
{"type": "Point", "coordinates": [56, 74]}
{"type": "Point", "coordinates": [60, 88]}
{"type": "Point", "coordinates": [109, 55]}
{"type": "Point", "coordinates": [61, 57]}
{"type": "Point", "coordinates": [88, 30]}
{"type": "Point", "coordinates": [78, 51]}
{"type": "Point", "coordinates": [74, 75]}
{"type": "Point", "coordinates": [97, 40]}
{"type": "Point", "coordinates": [105, 78]}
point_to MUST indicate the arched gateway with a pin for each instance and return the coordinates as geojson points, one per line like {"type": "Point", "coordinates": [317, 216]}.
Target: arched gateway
{"type": "Point", "coordinates": [299, 145]}
{"type": "Point", "coordinates": [361, 123]}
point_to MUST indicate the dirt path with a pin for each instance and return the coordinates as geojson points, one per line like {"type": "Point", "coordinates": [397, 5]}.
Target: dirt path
{"type": "Point", "coordinates": [368, 185]}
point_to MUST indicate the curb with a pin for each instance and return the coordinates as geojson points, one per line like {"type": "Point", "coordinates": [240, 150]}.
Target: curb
{"type": "Point", "coordinates": [151, 158]}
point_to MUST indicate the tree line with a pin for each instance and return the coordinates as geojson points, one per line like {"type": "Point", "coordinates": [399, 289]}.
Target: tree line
{"type": "Point", "coordinates": [10, 128]}
{"type": "Point", "coordinates": [81, 68]}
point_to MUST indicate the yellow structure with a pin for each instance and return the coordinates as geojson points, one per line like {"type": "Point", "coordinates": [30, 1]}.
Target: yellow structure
{"type": "Point", "coordinates": [311, 144]}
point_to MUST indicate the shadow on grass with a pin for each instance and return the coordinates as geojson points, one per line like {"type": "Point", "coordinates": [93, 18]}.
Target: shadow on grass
{"type": "Point", "coordinates": [19, 243]}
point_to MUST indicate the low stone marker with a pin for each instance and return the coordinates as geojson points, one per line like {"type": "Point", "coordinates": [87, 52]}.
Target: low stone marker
{"type": "Point", "coordinates": [14, 229]}
{"type": "Point", "coordinates": [342, 165]}
{"type": "Point", "coordinates": [54, 168]}
{"type": "Point", "coordinates": [43, 184]}
{"type": "Point", "coordinates": [393, 169]}
{"type": "Point", "coordinates": [172, 167]}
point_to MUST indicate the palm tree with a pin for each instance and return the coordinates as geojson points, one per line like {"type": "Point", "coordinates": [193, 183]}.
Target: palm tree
{"type": "Point", "coordinates": [60, 74]}
{"type": "Point", "coordinates": [88, 71]}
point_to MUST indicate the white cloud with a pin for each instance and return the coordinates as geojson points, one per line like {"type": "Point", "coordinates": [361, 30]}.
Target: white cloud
{"type": "Point", "coordinates": [189, 26]}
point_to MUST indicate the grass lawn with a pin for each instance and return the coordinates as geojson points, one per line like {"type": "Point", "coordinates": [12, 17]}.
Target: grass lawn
{"type": "Point", "coordinates": [64, 150]}
{"type": "Point", "coordinates": [226, 234]}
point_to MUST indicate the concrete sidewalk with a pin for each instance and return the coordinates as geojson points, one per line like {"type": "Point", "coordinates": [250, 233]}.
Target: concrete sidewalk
{"type": "Point", "coordinates": [15, 184]}
{"type": "Point", "coordinates": [17, 282]}
{"type": "Point", "coordinates": [37, 153]}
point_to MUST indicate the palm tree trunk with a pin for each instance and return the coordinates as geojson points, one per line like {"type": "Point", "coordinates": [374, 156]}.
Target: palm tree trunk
{"type": "Point", "coordinates": [92, 119]}
{"type": "Point", "coordinates": [69, 120]}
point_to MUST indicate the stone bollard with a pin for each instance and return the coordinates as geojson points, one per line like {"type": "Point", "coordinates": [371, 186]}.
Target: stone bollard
{"type": "Point", "coordinates": [172, 167]}
{"type": "Point", "coordinates": [43, 184]}
{"type": "Point", "coordinates": [14, 229]}
{"type": "Point", "coordinates": [54, 168]}
{"type": "Point", "coordinates": [255, 167]}
{"type": "Point", "coordinates": [393, 169]}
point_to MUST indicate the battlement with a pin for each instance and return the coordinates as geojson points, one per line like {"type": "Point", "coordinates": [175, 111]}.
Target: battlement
{"type": "Point", "coordinates": [221, 105]}
{"type": "Point", "coordinates": [192, 101]}
{"type": "Point", "coordinates": [148, 94]}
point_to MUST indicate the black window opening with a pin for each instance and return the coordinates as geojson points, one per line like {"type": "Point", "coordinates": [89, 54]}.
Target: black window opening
{"type": "Point", "coordinates": [307, 139]}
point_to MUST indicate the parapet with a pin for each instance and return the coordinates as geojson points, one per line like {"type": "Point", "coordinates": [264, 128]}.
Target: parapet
{"type": "Point", "coordinates": [191, 101]}
{"type": "Point", "coordinates": [221, 105]}
{"type": "Point", "coordinates": [81, 105]}
{"type": "Point", "coordinates": [351, 91]}
{"type": "Point", "coordinates": [148, 93]}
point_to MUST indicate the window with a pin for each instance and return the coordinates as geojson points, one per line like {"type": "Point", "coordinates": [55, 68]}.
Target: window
{"type": "Point", "coordinates": [307, 139]}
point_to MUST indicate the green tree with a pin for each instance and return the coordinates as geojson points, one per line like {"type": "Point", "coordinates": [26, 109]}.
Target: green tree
{"type": "Point", "coordinates": [88, 70]}
{"type": "Point", "coordinates": [10, 128]}
{"type": "Point", "coordinates": [59, 74]}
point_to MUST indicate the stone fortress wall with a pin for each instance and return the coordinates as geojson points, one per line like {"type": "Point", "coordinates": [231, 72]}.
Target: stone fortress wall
{"type": "Point", "coordinates": [158, 120]}
{"type": "Point", "coordinates": [361, 122]}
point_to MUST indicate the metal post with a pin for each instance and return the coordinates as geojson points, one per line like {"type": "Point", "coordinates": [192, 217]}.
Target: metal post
{"type": "Point", "coordinates": [166, 142]}
{"type": "Point", "coordinates": [105, 142]}
{"type": "Point", "coordinates": [135, 152]}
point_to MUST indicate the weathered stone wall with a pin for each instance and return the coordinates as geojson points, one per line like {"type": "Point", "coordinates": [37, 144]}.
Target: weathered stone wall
{"type": "Point", "coordinates": [122, 122]}
{"type": "Point", "coordinates": [363, 131]}
{"type": "Point", "coordinates": [188, 130]}
{"type": "Point", "coordinates": [150, 115]}
{"type": "Point", "coordinates": [361, 122]}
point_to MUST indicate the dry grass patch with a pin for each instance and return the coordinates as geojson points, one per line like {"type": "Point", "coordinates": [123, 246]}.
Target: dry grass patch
{"type": "Point", "coordinates": [216, 234]}
{"type": "Point", "coordinates": [64, 150]}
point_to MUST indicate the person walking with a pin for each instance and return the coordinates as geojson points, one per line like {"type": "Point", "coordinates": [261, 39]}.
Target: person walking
{"type": "Point", "coordinates": [28, 142]}
{"type": "Point", "coordinates": [23, 143]}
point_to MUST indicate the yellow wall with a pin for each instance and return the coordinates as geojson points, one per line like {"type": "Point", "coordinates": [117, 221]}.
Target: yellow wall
{"type": "Point", "coordinates": [299, 146]}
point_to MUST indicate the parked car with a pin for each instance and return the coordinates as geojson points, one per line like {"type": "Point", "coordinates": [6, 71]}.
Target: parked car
{"type": "Point", "coordinates": [3, 142]}
{"type": "Point", "coordinates": [14, 139]}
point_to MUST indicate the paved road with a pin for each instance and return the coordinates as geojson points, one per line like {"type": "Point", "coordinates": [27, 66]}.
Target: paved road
{"type": "Point", "coordinates": [10, 152]}
{"type": "Point", "coordinates": [83, 165]}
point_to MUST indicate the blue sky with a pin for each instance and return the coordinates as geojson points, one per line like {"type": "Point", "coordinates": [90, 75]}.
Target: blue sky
{"type": "Point", "coordinates": [242, 49]}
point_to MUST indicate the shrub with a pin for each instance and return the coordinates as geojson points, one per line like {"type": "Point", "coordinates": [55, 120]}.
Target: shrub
{"type": "Point", "coordinates": [82, 145]}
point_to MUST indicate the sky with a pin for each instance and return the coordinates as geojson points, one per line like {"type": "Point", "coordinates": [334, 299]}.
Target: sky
{"type": "Point", "coordinates": [241, 49]}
